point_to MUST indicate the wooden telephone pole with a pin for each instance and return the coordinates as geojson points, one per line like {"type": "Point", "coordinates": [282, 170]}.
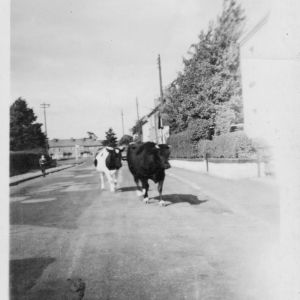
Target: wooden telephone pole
{"type": "Point", "coordinates": [122, 121]}
{"type": "Point", "coordinates": [159, 121]}
{"type": "Point", "coordinates": [45, 106]}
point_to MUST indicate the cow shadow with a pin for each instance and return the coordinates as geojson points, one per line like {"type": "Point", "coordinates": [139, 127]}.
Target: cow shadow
{"type": "Point", "coordinates": [181, 198]}
{"type": "Point", "coordinates": [127, 189]}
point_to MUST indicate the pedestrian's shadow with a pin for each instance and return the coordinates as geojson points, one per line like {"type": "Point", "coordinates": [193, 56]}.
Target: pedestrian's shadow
{"type": "Point", "coordinates": [180, 198]}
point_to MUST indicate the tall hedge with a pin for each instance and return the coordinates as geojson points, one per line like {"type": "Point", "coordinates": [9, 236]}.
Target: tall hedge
{"type": "Point", "coordinates": [24, 161]}
{"type": "Point", "coordinates": [181, 144]}
{"type": "Point", "coordinates": [229, 145]}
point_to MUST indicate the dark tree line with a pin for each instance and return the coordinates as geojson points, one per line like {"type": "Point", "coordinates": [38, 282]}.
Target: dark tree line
{"type": "Point", "coordinates": [24, 132]}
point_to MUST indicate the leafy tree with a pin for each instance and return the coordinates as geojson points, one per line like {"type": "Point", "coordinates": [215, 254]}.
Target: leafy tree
{"type": "Point", "coordinates": [137, 128]}
{"type": "Point", "coordinates": [110, 138]}
{"type": "Point", "coordinates": [125, 139]}
{"type": "Point", "coordinates": [210, 81]}
{"type": "Point", "coordinates": [24, 133]}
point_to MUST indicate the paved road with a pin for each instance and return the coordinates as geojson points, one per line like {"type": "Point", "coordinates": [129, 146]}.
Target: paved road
{"type": "Point", "coordinates": [215, 240]}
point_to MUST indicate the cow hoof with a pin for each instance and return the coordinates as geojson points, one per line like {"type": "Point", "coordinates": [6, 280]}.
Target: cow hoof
{"type": "Point", "coordinates": [139, 193]}
{"type": "Point", "coordinates": [146, 200]}
{"type": "Point", "coordinates": [162, 203]}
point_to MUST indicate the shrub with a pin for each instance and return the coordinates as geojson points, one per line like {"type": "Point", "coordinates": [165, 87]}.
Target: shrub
{"type": "Point", "coordinates": [182, 146]}
{"type": "Point", "coordinates": [24, 161]}
{"type": "Point", "coordinates": [229, 145]}
{"type": "Point", "coordinates": [232, 145]}
{"type": "Point", "coordinates": [199, 129]}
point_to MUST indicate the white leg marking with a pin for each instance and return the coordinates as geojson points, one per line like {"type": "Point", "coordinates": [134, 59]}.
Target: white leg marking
{"type": "Point", "coordinates": [102, 180]}
{"type": "Point", "coordinates": [162, 203]}
{"type": "Point", "coordinates": [146, 200]}
{"type": "Point", "coordinates": [139, 193]}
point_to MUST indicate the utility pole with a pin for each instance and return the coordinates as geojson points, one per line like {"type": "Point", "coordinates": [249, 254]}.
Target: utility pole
{"type": "Point", "coordinates": [159, 121]}
{"type": "Point", "coordinates": [44, 106]}
{"type": "Point", "coordinates": [137, 108]}
{"type": "Point", "coordinates": [122, 121]}
{"type": "Point", "coordinates": [160, 79]}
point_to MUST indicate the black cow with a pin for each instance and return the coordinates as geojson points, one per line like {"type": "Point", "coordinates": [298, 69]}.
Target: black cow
{"type": "Point", "coordinates": [148, 161]}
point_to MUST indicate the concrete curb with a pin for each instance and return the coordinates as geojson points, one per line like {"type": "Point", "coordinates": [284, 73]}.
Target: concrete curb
{"type": "Point", "coordinates": [24, 177]}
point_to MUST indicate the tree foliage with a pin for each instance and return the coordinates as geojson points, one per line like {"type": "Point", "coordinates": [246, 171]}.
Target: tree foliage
{"type": "Point", "coordinates": [24, 133]}
{"type": "Point", "coordinates": [125, 139]}
{"type": "Point", "coordinates": [210, 81]}
{"type": "Point", "coordinates": [110, 138]}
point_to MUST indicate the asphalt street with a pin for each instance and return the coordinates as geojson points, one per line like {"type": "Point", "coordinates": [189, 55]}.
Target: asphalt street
{"type": "Point", "coordinates": [216, 238]}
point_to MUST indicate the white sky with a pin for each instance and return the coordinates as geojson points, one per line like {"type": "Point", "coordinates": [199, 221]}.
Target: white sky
{"type": "Point", "coordinates": [90, 58]}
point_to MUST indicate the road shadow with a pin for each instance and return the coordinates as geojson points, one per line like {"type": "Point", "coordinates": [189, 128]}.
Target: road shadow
{"type": "Point", "coordinates": [127, 189]}
{"type": "Point", "coordinates": [24, 273]}
{"type": "Point", "coordinates": [181, 198]}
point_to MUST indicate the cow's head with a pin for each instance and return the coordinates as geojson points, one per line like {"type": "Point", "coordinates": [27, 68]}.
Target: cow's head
{"type": "Point", "coordinates": [114, 158]}
{"type": "Point", "coordinates": [164, 152]}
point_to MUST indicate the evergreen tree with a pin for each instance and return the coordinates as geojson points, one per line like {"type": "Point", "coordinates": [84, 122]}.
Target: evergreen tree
{"type": "Point", "coordinates": [110, 138]}
{"type": "Point", "coordinates": [24, 133]}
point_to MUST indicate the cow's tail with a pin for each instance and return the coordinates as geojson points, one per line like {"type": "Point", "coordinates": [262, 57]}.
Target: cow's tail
{"type": "Point", "coordinates": [95, 162]}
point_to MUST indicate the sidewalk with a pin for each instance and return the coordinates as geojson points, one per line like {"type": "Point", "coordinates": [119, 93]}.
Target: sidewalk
{"type": "Point", "coordinates": [31, 175]}
{"type": "Point", "coordinates": [260, 196]}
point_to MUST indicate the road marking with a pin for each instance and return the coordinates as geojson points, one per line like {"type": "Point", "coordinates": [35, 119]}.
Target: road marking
{"type": "Point", "coordinates": [77, 253]}
{"type": "Point", "coordinates": [80, 188]}
{"type": "Point", "coordinates": [38, 200]}
{"type": "Point", "coordinates": [84, 175]}
{"type": "Point", "coordinates": [18, 198]}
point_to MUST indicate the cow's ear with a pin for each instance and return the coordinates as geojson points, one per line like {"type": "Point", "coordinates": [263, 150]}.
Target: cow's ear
{"type": "Point", "coordinates": [109, 149]}
{"type": "Point", "coordinates": [121, 148]}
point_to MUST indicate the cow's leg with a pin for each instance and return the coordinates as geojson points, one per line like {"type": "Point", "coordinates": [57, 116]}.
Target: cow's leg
{"type": "Point", "coordinates": [139, 191]}
{"type": "Point", "coordinates": [110, 180]}
{"type": "Point", "coordinates": [102, 180]}
{"type": "Point", "coordinates": [116, 179]}
{"type": "Point", "coordinates": [145, 186]}
{"type": "Point", "coordinates": [159, 188]}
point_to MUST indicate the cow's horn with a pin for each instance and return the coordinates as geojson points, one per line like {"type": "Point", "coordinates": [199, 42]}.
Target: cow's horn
{"type": "Point", "coordinates": [109, 148]}
{"type": "Point", "coordinates": [156, 146]}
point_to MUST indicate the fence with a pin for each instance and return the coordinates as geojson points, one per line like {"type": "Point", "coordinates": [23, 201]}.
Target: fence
{"type": "Point", "coordinates": [227, 168]}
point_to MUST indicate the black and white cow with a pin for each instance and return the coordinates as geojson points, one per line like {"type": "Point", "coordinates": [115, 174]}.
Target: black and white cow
{"type": "Point", "coordinates": [108, 161]}
{"type": "Point", "coordinates": [148, 161]}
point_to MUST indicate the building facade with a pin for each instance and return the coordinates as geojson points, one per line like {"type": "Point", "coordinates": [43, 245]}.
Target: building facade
{"type": "Point", "coordinates": [154, 128]}
{"type": "Point", "coordinates": [72, 148]}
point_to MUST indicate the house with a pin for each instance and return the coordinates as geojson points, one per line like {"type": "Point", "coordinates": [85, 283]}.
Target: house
{"type": "Point", "coordinates": [154, 128]}
{"type": "Point", "coordinates": [72, 148]}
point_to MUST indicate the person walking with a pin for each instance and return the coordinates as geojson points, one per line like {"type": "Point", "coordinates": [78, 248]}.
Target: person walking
{"type": "Point", "coordinates": [42, 163]}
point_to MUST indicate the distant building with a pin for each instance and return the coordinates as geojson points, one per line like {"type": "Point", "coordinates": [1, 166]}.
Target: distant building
{"type": "Point", "coordinates": [69, 148]}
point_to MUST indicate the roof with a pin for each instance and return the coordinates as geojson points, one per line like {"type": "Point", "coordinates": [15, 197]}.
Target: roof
{"type": "Point", "coordinates": [86, 142]}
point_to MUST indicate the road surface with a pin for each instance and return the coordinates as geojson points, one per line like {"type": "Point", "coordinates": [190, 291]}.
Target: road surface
{"type": "Point", "coordinates": [216, 239]}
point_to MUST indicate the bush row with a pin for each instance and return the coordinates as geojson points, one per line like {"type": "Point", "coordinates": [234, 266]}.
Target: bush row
{"type": "Point", "coordinates": [23, 161]}
{"type": "Point", "coordinates": [229, 145]}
